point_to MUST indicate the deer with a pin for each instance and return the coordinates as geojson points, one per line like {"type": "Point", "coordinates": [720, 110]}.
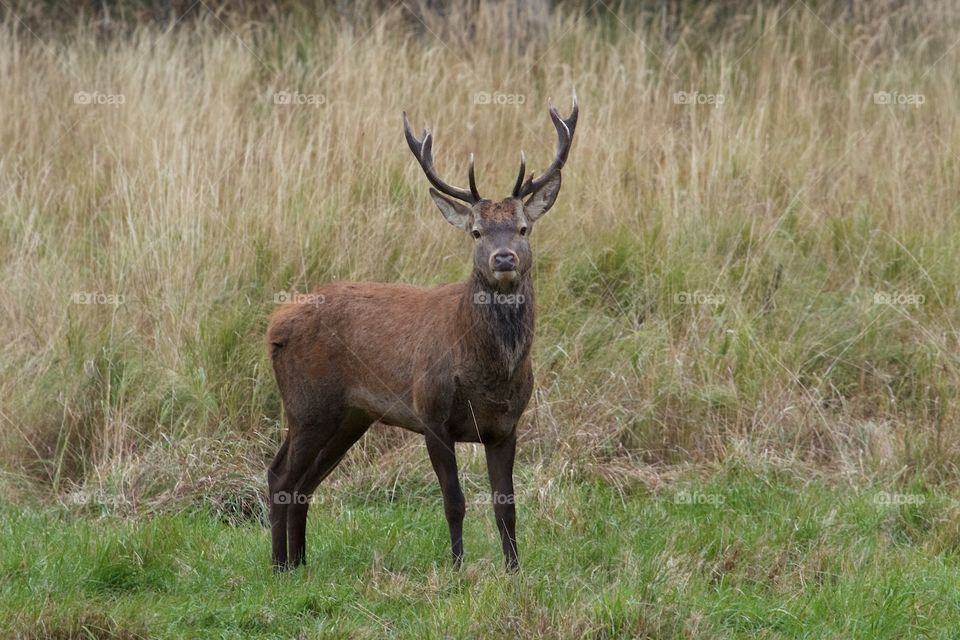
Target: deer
{"type": "Point", "coordinates": [451, 363]}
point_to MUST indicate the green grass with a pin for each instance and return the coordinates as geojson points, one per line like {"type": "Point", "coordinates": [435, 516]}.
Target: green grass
{"type": "Point", "coordinates": [746, 554]}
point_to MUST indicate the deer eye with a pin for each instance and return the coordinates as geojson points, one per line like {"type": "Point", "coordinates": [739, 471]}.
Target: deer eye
{"type": "Point", "coordinates": [476, 233]}
{"type": "Point", "coordinates": [523, 231]}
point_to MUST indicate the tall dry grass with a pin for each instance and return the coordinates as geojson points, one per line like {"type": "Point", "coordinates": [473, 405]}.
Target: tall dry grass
{"type": "Point", "coordinates": [712, 284]}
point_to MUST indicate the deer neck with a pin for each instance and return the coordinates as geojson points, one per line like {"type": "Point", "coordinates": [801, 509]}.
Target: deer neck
{"type": "Point", "coordinates": [499, 325]}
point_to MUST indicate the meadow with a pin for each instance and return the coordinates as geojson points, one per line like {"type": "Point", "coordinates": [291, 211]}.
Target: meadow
{"type": "Point", "coordinates": [745, 419]}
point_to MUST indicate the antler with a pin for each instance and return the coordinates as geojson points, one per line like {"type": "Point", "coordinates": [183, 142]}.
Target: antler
{"type": "Point", "coordinates": [421, 149]}
{"type": "Point", "coordinates": [565, 129]}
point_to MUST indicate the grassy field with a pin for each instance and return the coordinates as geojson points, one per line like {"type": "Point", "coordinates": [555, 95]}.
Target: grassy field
{"type": "Point", "coordinates": [747, 554]}
{"type": "Point", "coordinates": [748, 289]}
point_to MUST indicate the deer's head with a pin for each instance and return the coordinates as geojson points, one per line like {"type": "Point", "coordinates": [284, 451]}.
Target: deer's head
{"type": "Point", "coordinates": [500, 229]}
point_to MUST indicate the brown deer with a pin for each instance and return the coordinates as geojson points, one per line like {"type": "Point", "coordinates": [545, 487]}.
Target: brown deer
{"type": "Point", "coordinates": [451, 363]}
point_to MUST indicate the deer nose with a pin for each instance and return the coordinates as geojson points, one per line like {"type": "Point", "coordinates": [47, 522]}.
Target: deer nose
{"type": "Point", "coordinates": [504, 261]}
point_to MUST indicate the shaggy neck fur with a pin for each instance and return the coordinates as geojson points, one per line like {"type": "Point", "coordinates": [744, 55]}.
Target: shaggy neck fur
{"type": "Point", "coordinates": [501, 324]}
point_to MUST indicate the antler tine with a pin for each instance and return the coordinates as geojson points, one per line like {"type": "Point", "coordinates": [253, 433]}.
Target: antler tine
{"type": "Point", "coordinates": [565, 130]}
{"type": "Point", "coordinates": [422, 151]}
{"type": "Point", "coordinates": [473, 181]}
{"type": "Point", "coordinates": [523, 170]}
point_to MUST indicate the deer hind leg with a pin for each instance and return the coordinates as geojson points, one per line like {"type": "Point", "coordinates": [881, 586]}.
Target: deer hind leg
{"type": "Point", "coordinates": [301, 448]}
{"type": "Point", "coordinates": [278, 506]}
{"type": "Point", "coordinates": [350, 429]}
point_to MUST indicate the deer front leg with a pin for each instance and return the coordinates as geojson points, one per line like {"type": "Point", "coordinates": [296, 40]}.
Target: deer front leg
{"type": "Point", "coordinates": [500, 469]}
{"type": "Point", "coordinates": [440, 446]}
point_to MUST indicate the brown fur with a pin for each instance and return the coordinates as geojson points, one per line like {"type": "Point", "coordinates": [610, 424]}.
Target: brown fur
{"type": "Point", "coordinates": [497, 211]}
{"type": "Point", "coordinates": [429, 360]}
{"type": "Point", "coordinates": [395, 353]}
{"type": "Point", "coordinates": [451, 363]}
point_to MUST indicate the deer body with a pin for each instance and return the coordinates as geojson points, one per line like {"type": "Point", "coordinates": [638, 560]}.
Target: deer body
{"type": "Point", "coordinates": [388, 355]}
{"type": "Point", "coordinates": [451, 363]}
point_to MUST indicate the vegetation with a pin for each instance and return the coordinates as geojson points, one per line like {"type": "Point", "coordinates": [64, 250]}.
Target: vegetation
{"type": "Point", "coordinates": [747, 554]}
{"type": "Point", "coordinates": [748, 285]}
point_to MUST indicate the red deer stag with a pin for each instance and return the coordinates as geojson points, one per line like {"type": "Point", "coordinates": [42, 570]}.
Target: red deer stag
{"type": "Point", "coordinates": [451, 363]}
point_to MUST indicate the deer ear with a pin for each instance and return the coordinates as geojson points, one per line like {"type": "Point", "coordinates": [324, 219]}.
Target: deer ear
{"type": "Point", "coordinates": [457, 214]}
{"type": "Point", "coordinates": [543, 198]}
